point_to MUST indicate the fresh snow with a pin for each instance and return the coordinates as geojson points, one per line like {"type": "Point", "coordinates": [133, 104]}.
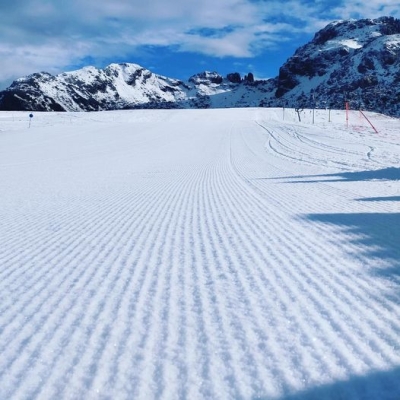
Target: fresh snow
{"type": "Point", "coordinates": [351, 43]}
{"type": "Point", "coordinates": [199, 254]}
{"type": "Point", "coordinates": [334, 44]}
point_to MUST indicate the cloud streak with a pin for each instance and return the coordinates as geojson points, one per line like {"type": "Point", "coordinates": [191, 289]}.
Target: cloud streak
{"type": "Point", "coordinates": [52, 35]}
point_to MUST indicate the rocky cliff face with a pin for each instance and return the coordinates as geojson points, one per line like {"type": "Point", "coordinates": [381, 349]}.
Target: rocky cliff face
{"type": "Point", "coordinates": [358, 61]}
{"type": "Point", "coordinates": [355, 61]}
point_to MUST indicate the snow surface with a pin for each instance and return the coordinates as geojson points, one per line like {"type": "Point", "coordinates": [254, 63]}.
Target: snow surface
{"type": "Point", "coordinates": [219, 254]}
{"type": "Point", "coordinates": [334, 44]}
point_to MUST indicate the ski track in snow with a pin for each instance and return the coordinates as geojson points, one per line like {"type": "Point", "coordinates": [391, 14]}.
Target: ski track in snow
{"type": "Point", "coordinates": [191, 254]}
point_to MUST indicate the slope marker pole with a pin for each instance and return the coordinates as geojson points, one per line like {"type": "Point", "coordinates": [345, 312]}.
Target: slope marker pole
{"type": "Point", "coordinates": [369, 121]}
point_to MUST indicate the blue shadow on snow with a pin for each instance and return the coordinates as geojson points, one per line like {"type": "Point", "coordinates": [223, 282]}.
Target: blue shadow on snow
{"type": "Point", "coordinates": [378, 233]}
{"type": "Point", "coordinates": [389, 198]}
{"type": "Point", "coordinates": [381, 385]}
{"type": "Point", "coordinates": [387, 174]}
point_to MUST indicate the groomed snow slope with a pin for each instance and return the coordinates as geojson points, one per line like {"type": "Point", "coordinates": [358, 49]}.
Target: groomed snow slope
{"type": "Point", "coordinates": [191, 254]}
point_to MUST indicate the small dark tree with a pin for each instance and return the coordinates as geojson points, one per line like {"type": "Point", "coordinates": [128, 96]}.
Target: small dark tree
{"type": "Point", "coordinates": [298, 110]}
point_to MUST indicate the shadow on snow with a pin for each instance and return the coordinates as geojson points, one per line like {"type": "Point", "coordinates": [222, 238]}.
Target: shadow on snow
{"type": "Point", "coordinates": [387, 174]}
{"type": "Point", "coordinates": [377, 233]}
{"type": "Point", "coordinates": [382, 385]}
{"type": "Point", "coordinates": [390, 198]}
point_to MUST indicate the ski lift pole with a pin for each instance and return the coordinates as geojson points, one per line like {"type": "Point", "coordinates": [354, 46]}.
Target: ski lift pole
{"type": "Point", "coordinates": [313, 109]}
{"type": "Point", "coordinates": [30, 119]}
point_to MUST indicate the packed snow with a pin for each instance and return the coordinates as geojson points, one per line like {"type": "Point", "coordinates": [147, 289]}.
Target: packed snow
{"type": "Point", "coordinates": [199, 254]}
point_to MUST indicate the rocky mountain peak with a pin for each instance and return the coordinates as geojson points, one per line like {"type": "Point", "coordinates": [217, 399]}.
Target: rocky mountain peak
{"type": "Point", "coordinates": [206, 78]}
{"type": "Point", "coordinates": [350, 60]}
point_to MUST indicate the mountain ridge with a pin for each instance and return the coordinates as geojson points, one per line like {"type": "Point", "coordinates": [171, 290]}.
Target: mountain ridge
{"type": "Point", "coordinates": [349, 60]}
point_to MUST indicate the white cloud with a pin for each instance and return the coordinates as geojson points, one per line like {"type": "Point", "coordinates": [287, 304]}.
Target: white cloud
{"type": "Point", "coordinates": [368, 9]}
{"type": "Point", "coordinates": [20, 60]}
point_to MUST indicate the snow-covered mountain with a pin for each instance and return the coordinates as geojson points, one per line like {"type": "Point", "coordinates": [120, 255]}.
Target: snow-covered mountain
{"type": "Point", "coordinates": [127, 86]}
{"type": "Point", "coordinates": [358, 61]}
{"type": "Point", "coordinates": [354, 60]}
{"type": "Point", "coordinates": [116, 87]}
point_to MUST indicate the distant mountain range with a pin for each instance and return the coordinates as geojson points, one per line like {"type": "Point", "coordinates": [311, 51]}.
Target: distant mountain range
{"type": "Point", "coordinates": [353, 60]}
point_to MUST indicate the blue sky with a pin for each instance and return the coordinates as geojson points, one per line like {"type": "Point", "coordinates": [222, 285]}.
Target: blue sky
{"type": "Point", "coordinates": [176, 38]}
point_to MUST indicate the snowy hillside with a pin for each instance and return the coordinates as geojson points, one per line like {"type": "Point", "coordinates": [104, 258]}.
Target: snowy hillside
{"type": "Point", "coordinates": [355, 61]}
{"type": "Point", "coordinates": [199, 254]}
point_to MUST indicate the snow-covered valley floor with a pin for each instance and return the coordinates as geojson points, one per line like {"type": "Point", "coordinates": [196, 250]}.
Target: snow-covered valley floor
{"type": "Point", "coordinates": [199, 254]}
